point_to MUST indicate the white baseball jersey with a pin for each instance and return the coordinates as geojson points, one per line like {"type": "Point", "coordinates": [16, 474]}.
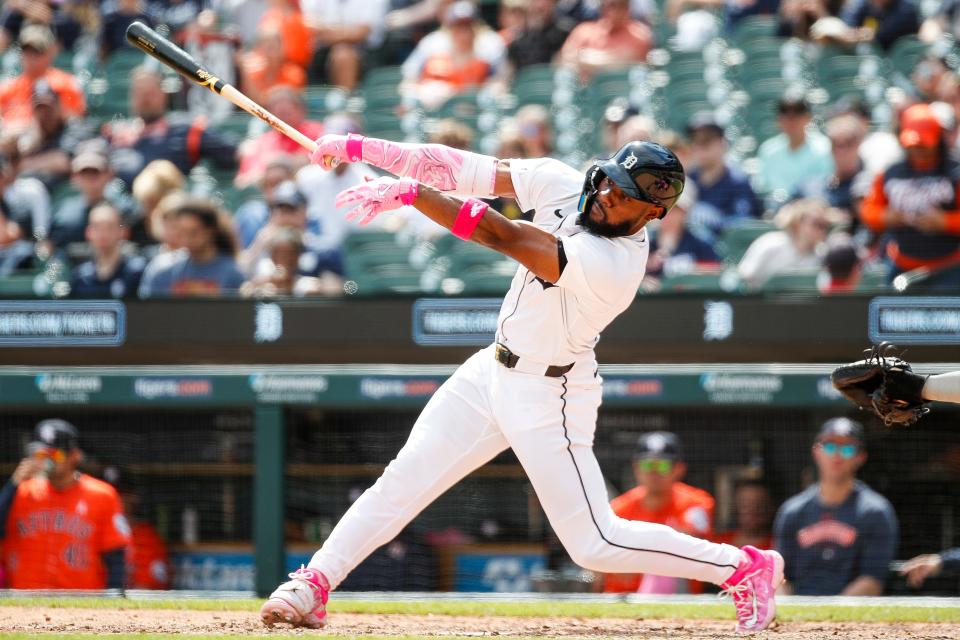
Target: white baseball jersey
{"type": "Point", "coordinates": [559, 324]}
{"type": "Point", "coordinates": [548, 422]}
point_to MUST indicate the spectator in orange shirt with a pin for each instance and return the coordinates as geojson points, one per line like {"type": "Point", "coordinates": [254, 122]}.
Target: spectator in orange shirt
{"type": "Point", "coordinates": [661, 498]}
{"type": "Point", "coordinates": [284, 17]}
{"type": "Point", "coordinates": [16, 95]}
{"type": "Point", "coordinates": [265, 67]}
{"type": "Point", "coordinates": [615, 40]}
{"type": "Point", "coordinates": [754, 516]}
{"type": "Point", "coordinates": [148, 562]}
{"type": "Point", "coordinates": [63, 529]}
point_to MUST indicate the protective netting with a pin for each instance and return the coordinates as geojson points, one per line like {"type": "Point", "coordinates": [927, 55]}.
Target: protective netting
{"type": "Point", "coordinates": [191, 475]}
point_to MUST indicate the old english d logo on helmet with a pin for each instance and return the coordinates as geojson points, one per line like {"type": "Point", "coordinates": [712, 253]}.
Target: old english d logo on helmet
{"type": "Point", "coordinates": [643, 170]}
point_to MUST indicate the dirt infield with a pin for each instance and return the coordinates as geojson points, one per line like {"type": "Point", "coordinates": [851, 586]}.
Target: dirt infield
{"type": "Point", "coordinates": [103, 621]}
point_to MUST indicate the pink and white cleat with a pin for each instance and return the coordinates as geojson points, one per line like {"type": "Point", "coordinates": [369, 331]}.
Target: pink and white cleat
{"type": "Point", "coordinates": [752, 587]}
{"type": "Point", "coordinates": [301, 601]}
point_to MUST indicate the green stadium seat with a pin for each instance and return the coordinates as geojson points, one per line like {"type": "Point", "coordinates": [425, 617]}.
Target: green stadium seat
{"type": "Point", "coordinates": [792, 281]}
{"type": "Point", "coordinates": [387, 279]}
{"type": "Point", "coordinates": [19, 285]}
{"type": "Point", "coordinates": [691, 282]}
{"type": "Point", "coordinates": [735, 240]}
{"type": "Point", "coordinates": [753, 27]}
{"type": "Point", "coordinates": [905, 53]}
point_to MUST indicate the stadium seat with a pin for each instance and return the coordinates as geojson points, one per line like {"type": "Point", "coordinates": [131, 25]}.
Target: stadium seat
{"type": "Point", "coordinates": [389, 278]}
{"type": "Point", "coordinates": [792, 281]}
{"type": "Point", "coordinates": [906, 52]}
{"type": "Point", "coordinates": [753, 27]}
{"type": "Point", "coordinates": [692, 282]}
{"type": "Point", "coordinates": [735, 240]}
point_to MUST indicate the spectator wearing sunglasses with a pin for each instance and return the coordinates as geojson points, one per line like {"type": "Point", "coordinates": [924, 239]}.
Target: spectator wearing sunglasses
{"type": "Point", "coordinates": [660, 497]}
{"type": "Point", "coordinates": [838, 536]}
{"type": "Point", "coordinates": [62, 529]}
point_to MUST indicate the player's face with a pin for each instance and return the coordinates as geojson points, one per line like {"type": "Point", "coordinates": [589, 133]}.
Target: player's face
{"type": "Point", "coordinates": [838, 458]}
{"type": "Point", "coordinates": [614, 213]}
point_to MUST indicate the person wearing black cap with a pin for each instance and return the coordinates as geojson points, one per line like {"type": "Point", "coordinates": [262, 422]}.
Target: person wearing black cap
{"type": "Point", "coordinates": [661, 497]}
{"type": "Point", "coordinates": [838, 536]}
{"type": "Point", "coordinates": [62, 529]}
{"type": "Point", "coordinates": [724, 192]}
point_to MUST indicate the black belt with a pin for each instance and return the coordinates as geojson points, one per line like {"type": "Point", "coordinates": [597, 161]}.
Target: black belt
{"type": "Point", "coordinates": [509, 359]}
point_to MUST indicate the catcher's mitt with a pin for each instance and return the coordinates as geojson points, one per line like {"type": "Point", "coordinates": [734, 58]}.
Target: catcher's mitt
{"type": "Point", "coordinates": [884, 384]}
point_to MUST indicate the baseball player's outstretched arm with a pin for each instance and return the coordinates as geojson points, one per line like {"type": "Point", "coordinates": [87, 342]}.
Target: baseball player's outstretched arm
{"type": "Point", "coordinates": [534, 248]}
{"type": "Point", "coordinates": [436, 165]}
{"type": "Point", "coordinates": [944, 387]}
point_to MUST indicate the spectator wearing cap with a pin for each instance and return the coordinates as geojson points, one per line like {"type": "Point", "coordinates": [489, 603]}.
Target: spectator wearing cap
{"type": "Point", "coordinates": [660, 497]}
{"type": "Point", "coordinates": [253, 213]}
{"type": "Point", "coordinates": [796, 247]}
{"type": "Point", "coordinates": [207, 266]}
{"type": "Point", "coordinates": [110, 273]}
{"type": "Point", "coordinates": [62, 529]}
{"type": "Point", "coordinates": [321, 188]}
{"type": "Point", "coordinates": [91, 176]}
{"type": "Point", "coordinates": [463, 52]}
{"type": "Point", "coordinates": [155, 133]}
{"type": "Point", "coordinates": [916, 202]}
{"type": "Point", "coordinates": [48, 144]}
{"type": "Point", "coordinates": [724, 192]}
{"type": "Point", "coordinates": [675, 247]}
{"type": "Point", "coordinates": [636, 127]}
{"type": "Point", "coordinates": [795, 156]}
{"type": "Point", "coordinates": [541, 37]}
{"type": "Point", "coordinates": [38, 48]}
{"type": "Point", "coordinates": [288, 210]}
{"type": "Point", "coordinates": [288, 105]}
{"type": "Point", "coordinates": [881, 21]}
{"type": "Point", "coordinates": [615, 40]}
{"type": "Point", "coordinates": [344, 32]}
{"type": "Point", "coordinates": [838, 536]}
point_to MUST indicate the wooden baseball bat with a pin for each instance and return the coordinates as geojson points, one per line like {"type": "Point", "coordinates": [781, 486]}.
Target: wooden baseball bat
{"type": "Point", "coordinates": [152, 43]}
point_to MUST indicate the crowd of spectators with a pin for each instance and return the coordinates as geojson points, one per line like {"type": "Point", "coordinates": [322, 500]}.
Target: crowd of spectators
{"type": "Point", "coordinates": [115, 207]}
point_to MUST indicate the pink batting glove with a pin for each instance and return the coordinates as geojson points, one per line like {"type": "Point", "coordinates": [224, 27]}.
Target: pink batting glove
{"type": "Point", "coordinates": [376, 196]}
{"type": "Point", "coordinates": [332, 149]}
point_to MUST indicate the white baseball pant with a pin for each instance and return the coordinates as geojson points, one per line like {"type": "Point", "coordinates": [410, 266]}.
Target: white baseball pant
{"type": "Point", "coordinates": [482, 409]}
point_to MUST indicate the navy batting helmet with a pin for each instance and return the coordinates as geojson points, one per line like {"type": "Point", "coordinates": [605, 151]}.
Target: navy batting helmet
{"type": "Point", "coordinates": [643, 170]}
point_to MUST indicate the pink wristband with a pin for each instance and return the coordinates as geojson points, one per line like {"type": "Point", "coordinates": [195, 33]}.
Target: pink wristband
{"type": "Point", "coordinates": [469, 217]}
{"type": "Point", "coordinates": [409, 190]}
{"type": "Point", "coordinates": [354, 147]}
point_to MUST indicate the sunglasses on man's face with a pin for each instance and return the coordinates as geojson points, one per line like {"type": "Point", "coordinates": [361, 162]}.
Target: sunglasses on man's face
{"type": "Point", "coordinates": [57, 455]}
{"type": "Point", "coordinates": [663, 467]}
{"type": "Point", "coordinates": [846, 451]}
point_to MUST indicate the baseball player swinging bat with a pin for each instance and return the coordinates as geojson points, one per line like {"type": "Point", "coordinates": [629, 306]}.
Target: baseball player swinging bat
{"type": "Point", "coordinates": [152, 43]}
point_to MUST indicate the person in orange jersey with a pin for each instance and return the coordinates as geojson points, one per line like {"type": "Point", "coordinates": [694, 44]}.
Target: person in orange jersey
{"type": "Point", "coordinates": [916, 203]}
{"type": "Point", "coordinates": [661, 497]}
{"type": "Point", "coordinates": [62, 529]}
